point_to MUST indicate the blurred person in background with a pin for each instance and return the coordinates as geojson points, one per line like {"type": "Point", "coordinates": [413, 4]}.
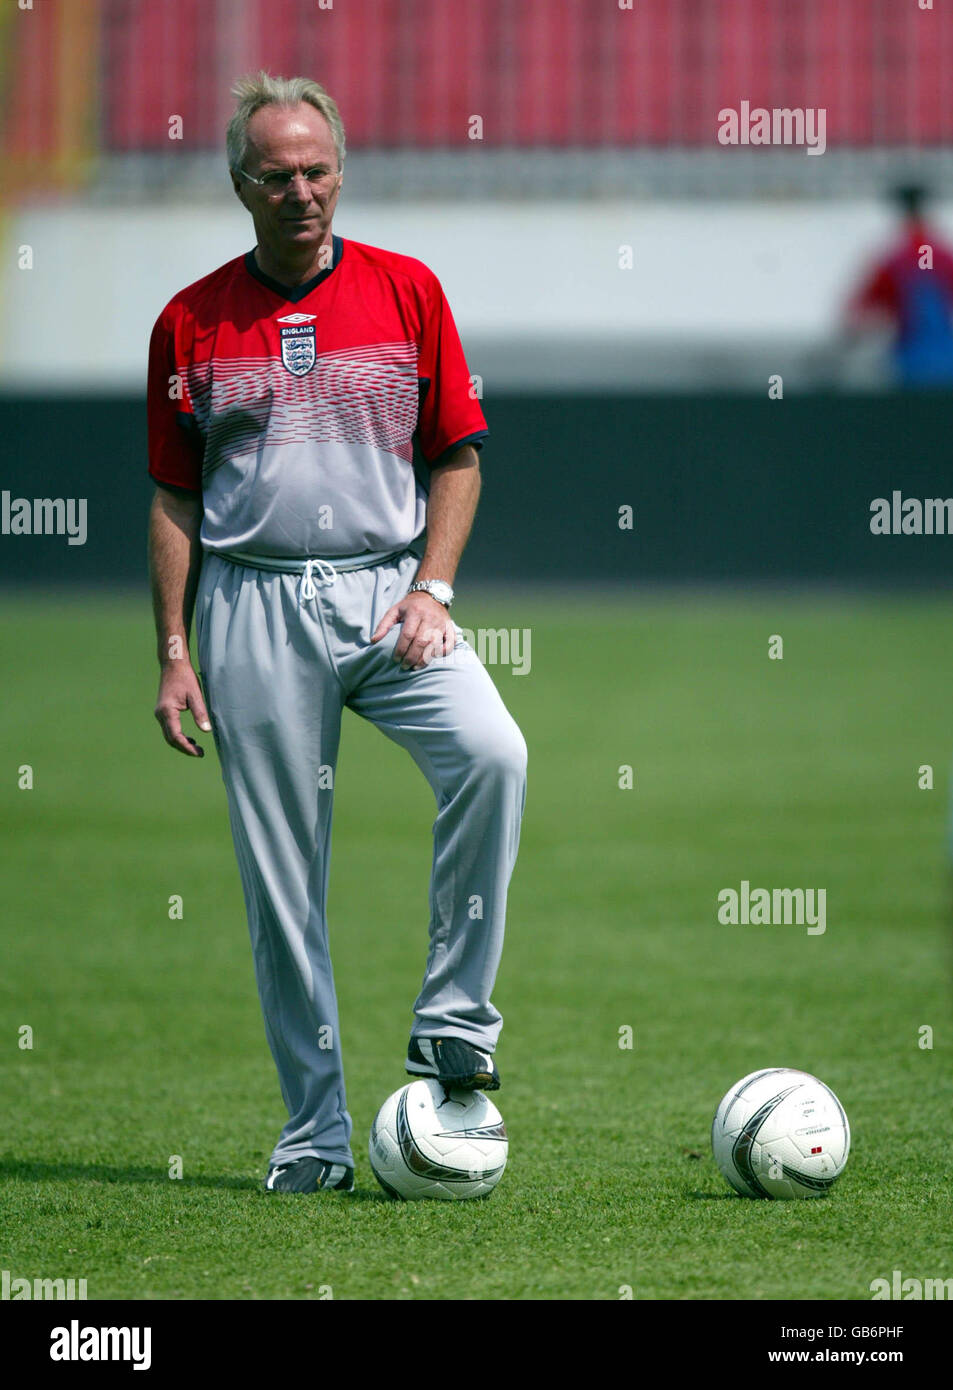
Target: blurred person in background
{"type": "Point", "coordinates": [909, 292]}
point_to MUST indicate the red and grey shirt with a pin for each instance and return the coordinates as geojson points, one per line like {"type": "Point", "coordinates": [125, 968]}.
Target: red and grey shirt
{"type": "Point", "coordinates": [295, 410]}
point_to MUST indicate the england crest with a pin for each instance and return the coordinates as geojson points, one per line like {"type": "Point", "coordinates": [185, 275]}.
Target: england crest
{"type": "Point", "coordinates": [297, 348]}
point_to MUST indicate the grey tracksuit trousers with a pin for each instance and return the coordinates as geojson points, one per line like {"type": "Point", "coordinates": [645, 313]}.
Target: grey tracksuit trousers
{"type": "Point", "coordinates": [281, 654]}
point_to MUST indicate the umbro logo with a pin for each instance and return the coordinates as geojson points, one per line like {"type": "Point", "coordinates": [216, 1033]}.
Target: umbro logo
{"type": "Point", "coordinates": [298, 318]}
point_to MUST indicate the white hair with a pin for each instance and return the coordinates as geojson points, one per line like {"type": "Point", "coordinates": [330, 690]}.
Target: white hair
{"type": "Point", "coordinates": [261, 89]}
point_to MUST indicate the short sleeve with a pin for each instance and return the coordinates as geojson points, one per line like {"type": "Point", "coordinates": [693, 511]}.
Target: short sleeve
{"type": "Point", "coordinates": [176, 447]}
{"type": "Point", "coordinates": [877, 293]}
{"type": "Point", "coordinates": [449, 414]}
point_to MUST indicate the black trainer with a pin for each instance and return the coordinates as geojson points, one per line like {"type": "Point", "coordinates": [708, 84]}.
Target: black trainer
{"type": "Point", "coordinates": [310, 1175]}
{"type": "Point", "coordinates": [455, 1064]}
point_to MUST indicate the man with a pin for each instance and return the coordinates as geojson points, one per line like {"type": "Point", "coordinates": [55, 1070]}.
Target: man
{"type": "Point", "coordinates": [910, 290]}
{"type": "Point", "coordinates": [286, 392]}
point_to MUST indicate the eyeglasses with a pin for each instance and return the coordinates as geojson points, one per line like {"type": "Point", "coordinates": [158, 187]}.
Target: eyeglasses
{"type": "Point", "coordinates": [278, 181]}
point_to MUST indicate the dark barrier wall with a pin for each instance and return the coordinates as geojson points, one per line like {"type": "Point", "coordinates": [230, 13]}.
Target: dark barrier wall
{"type": "Point", "coordinates": [721, 488]}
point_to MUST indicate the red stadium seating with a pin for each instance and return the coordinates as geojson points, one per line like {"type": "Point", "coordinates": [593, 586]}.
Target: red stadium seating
{"type": "Point", "coordinates": [557, 73]}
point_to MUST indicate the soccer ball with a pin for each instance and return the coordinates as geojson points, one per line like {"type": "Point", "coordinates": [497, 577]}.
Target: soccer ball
{"type": "Point", "coordinates": [780, 1133]}
{"type": "Point", "coordinates": [430, 1142]}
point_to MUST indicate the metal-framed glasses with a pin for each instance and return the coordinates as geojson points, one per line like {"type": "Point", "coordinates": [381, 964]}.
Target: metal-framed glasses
{"type": "Point", "coordinates": [277, 181]}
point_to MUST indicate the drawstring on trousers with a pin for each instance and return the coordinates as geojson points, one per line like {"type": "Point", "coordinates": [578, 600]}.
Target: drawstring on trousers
{"type": "Point", "coordinates": [326, 571]}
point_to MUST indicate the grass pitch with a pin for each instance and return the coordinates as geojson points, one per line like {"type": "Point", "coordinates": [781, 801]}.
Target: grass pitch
{"type": "Point", "coordinates": [147, 1038]}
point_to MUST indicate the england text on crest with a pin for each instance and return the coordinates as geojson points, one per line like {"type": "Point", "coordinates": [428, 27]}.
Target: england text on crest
{"type": "Point", "coordinates": [297, 349]}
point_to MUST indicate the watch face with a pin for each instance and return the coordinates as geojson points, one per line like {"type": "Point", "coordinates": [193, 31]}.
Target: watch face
{"type": "Point", "coordinates": [437, 588]}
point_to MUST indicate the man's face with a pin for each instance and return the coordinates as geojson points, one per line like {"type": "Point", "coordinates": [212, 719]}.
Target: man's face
{"type": "Point", "coordinates": [294, 140]}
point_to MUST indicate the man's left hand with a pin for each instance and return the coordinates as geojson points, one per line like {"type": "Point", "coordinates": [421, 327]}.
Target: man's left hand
{"type": "Point", "coordinates": [427, 630]}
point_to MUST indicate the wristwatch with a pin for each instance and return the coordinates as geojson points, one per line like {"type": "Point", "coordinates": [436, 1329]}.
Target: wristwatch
{"type": "Point", "coordinates": [436, 588]}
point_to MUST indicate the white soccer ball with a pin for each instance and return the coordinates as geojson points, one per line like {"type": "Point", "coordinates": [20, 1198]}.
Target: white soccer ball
{"type": "Point", "coordinates": [780, 1133]}
{"type": "Point", "coordinates": [429, 1142]}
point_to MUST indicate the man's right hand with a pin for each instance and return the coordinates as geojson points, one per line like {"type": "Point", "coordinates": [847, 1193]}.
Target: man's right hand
{"type": "Point", "coordinates": [179, 690]}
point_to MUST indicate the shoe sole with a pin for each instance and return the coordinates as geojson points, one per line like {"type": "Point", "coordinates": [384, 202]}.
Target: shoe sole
{"type": "Point", "coordinates": [297, 1192]}
{"type": "Point", "coordinates": [476, 1081]}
